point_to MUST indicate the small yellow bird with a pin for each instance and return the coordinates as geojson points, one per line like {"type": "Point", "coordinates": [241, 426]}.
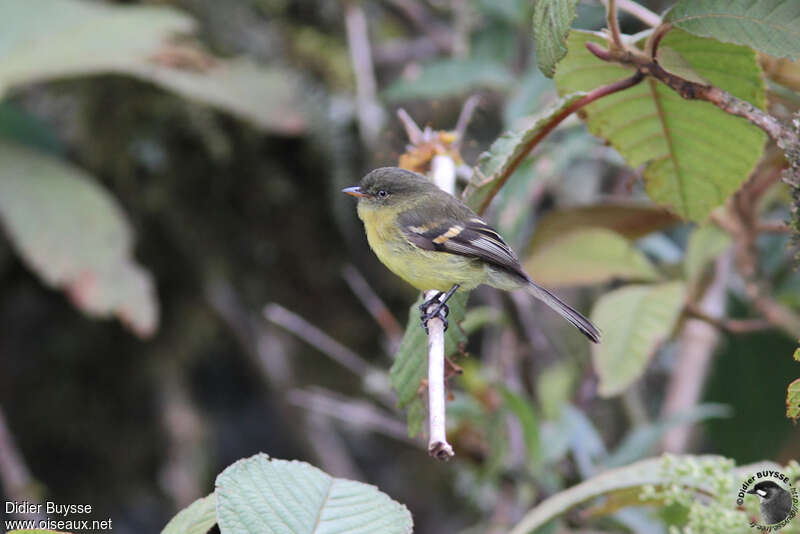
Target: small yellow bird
{"type": "Point", "coordinates": [434, 241]}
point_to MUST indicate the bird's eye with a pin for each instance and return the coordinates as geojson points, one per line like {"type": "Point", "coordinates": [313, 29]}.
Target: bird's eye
{"type": "Point", "coordinates": [383, 194]}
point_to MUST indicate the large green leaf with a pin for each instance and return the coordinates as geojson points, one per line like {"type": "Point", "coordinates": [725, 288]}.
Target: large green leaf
{"type": "Point", "coordinates": [451, 77]}
{"type": "Point", "coordinates": [552, 20]}
{"type": "Point", "coordinates": [46, 39]}
{"type": "Point", "coordinates": [411, 361]}
{"type": "Point", "coordinates": [197, 518]}
{"type": "Point", "coordinates": [74, 235]}
{"type": "Point", "coordinates": [634, 321]}
{"type": "Point", "coordinates": [793, 400]}
{"type": "Point", "coordinates": [695, 155]}
{"type": "Point", "coordinates": [260, 495]}
{"type": "Point", "coordinates": [772, 26]}
{"type": "Point", "coordinates": [588, 256]}
{"type": "Point", "coordinates": [507, 151]}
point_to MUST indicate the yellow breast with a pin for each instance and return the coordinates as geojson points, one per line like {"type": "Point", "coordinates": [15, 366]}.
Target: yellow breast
{"type": "Point", "coordinates": [423, 269]}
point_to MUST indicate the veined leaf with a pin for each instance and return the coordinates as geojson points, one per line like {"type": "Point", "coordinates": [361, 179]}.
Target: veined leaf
{"type": "Point", "coordinates": [74, 235]}
{"type": "Point", "coordinates": [506, 151]}
{"type": "Point", "coordinates": [588, 256]}
{"type": "Point", "coordinates": [411, 361]}
{"type": "Point", "coordinates": [629, 219]}
{"type": "Point", "coordinates": [696, 155]}
{"type": "Point", "coordinates": [552, 20]}
{"type": "Point", "coordinates": [48, 39]}
{"type": "Point", "coordinates": [772, 26]}
{"type": "Point", "coordinates": [260, 494]}
{"type": "Point", "coordinates": [793, 400]}
{"type": "Point", "coordinates": [705, 244]}
{"type": "Point", "coordinates": [634, 321]}
{"type": "Point", "coordinates": [197, 518]}
{"type": "Point", "coordinates": [634, 475]}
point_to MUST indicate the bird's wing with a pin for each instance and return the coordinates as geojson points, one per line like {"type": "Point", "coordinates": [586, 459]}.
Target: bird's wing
{"type": "Point", "coordinates": [470, 237]}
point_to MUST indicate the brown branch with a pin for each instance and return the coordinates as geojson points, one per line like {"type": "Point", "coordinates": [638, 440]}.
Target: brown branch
{"type": "Point", "coordinates": [733, 326]}
{"type": "Point", "coordinates": [590, 97]}
{"type": "Point", "coordinates": [782, 133]}
{"type": "Point", "coordinates": [775, 227]}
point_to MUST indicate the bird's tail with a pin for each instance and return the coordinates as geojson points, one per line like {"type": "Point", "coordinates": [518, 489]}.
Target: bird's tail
{"type": "Point", "coordinates": [567, 312]}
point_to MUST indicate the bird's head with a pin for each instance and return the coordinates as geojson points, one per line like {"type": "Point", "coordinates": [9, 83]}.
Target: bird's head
{"type": "Point", "coordinates": [390, 186]}
{"type": "Point", "coordinates": [766, 490]}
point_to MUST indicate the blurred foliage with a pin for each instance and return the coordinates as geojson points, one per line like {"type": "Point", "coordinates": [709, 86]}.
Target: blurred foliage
{"type": "Point", "coordinates": [219, 135]}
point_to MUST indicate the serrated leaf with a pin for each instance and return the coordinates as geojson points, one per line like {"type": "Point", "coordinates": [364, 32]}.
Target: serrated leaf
{"type": "Point", "coordinates": [260, 495]}
{"type": "Point", "coordinates": [634, 475]}
{"type": "Point", "coordinates": [705, 244]}
{"type": "Point", "coordinates": [695, 155]}
{"type": "Point", "coordinates": [772, 26]}
{"type": "Point", "coordinates": [411, 361]}
{"type": "Point", "coordinates": [628, 219]}
{"type": "Point", "coordinates": [48, 39]}
{"type": "Point", "coordinates": [552, 20]}
{"type": "Point", "coordinates": [793, 400]}
{"type": "Point", "coordinates": [588, 256]}
{"type": "Point", "coordinates": [451, 77]}
{"type": "Point", "coordinates": [74, 235]}
{"type": "Point", "coordinates": [197, 518]}
{"type": "Point", "coordinates": [634, 321]}
{"type": "Point", "coordinates": [506, 151]}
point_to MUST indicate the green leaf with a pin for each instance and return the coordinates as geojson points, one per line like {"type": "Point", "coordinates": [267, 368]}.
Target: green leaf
{"type": "Point", "coordinates": [48, 39]}
{"type": "Point", "coordinates": [695, 155]}
{"type": "Point", "coordinates": [796, 355]}
{"type": "Point", "coordinates": [772, 26]}
{"type": "Point", "coordinates": [197, 518]}
{"type": "Point", "coordinates": [507, 150]}
{"type": "Point", "coordinates": [552, 20]}
{"type": "Point", "coordinates": [629, 219]}
{"type": "Point", "coordinates": [705, 244]}
{"type": "Point", "coordinates": [793, 400]}
{"type": "Point", "coordinates": [260, 495]}
{"type": "Point", "coordinates": [634, 321]}
{"type": "Point", "coordinates": [632, 476]}
{"type": "Point", "coordinates": [450, 77]}
{"type": "Point", "coordinates": [74, 235]}
{"type": "Point", "coordinates": [588, 256]}
{"type": "Point", "coordinates": [411, 361]}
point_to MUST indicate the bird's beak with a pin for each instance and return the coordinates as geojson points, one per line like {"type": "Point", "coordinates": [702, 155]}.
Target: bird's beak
{"type": "Point", "coordinates": [354, 191]}
{"type": "Point", "coordinates": [751, 491]}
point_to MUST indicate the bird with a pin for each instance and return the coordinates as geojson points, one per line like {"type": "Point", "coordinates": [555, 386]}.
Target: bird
{"type": "Point", "coordinates": [433, 241]}
{"type": "Point", "coordinates": [776, 502]}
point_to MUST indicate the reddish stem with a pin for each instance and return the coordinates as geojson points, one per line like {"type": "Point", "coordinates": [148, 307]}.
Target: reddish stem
{"type": "Point", "coordinates": [555, 121]}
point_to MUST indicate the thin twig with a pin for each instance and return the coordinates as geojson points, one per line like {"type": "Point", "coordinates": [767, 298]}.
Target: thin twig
{"type": "Point", "coordinates": [463, 120]}
{"type": "Point", "coordinates": [613, 23]}
{"type": "Point", "coordinates": [444, 175]}
{"type": "Point", "coordinates": [17, 482]}
{"type": "Point", "coordinates": [590, 97]}
{"type": "Point", "coordinates": [277, 314]}
{"type": "Point", "coordinates": [360, 414]}
{"type": "Point", "coordinates": [733, 326]}
{"type": "Point", "coordinates": [370, 113]}
{"type": "Point", "coordinates": [776, 227]}
{"type": "Point", "coordinates": [373, 303]}
{"type": "Point", "coordinates": [414, 133]}
{"type": "Point", "coordinates": [417, 13]}
{"type": "Point", "coordinates": [639, 11]}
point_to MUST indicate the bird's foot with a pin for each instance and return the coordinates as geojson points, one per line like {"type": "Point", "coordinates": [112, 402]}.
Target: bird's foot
{"type": "Point", "coordinates": [441, 311]}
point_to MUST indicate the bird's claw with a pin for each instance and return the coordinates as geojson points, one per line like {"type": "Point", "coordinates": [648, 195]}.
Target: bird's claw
{"type": "Point", "coordinates": [441, 311]}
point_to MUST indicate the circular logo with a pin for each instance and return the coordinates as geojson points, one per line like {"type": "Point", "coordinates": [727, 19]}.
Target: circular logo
{"type": "Point", "coordinates": [778, 499]}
